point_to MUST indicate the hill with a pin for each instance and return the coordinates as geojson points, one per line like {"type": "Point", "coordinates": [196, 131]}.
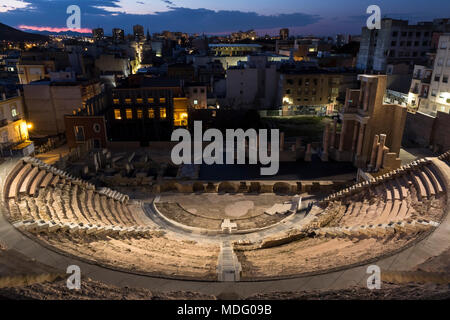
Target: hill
{"type": "Point", "coordinates": [8, 33]}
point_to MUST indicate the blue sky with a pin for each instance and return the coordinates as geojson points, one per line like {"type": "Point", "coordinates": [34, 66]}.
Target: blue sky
{"type": "Point", "coordinates": [322, 17]}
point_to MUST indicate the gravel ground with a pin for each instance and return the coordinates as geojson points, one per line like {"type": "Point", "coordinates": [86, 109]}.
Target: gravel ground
{"type": "Point", "coordinates": [387, 292]}
{"type": "Point", "coordinates": [92, 290]}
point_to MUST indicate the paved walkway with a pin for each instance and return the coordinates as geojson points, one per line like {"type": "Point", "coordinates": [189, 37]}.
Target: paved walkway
{"type": "Point", "coordinates": [52, 156]}
{"type": "Point", "coordinates": [432, 246]}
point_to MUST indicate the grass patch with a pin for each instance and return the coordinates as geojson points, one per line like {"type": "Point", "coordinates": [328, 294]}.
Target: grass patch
{"type": "Point", "coordinates": [309, 127]}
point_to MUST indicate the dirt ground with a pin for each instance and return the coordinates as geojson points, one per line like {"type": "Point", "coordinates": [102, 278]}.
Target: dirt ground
{"type": "Point", "coordinates": [388, 291]}
{"type": "Point", "coordinates": [226, 206]}
{"type": "Point", "coordinates": [92, 290]}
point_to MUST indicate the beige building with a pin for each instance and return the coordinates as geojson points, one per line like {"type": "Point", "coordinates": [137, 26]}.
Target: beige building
{"type": "Point", "coordinates": [13, 127]}
{"type": "Point", "coordinates": [34, 66]}
{"type": "Point", "coordinates": [303, 88]}
{"type": "Point", "coordinates": [367, 124]}
{"type": "Point", "coordinates": [47, 102]}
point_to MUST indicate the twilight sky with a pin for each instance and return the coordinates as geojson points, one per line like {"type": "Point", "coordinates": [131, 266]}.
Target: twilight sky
{"type": "Point", "coordinates": [320, 17]}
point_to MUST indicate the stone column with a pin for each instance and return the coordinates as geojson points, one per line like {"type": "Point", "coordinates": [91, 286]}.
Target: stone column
{"type": "Point", "coordinates": [360, 139]}
{"type": "Point", "coordinates": [366, 97]}
{"type": "Point", "coordinates": [373, 156]}
{"type": "Point", "coordinates": [308, 154]}
{"type": "Point", "coordinates": [333, 134]}
{"type": "Point", "coordinates": [298, 143]}
{"type": "Point", "coordinates": [326, 136]}
{"type": "Point", "coordinates": [355, 135]}
{"type": "Point", "coordinates": [380, 152]}
{"type": "Point", "coordinates": [281, 141]}
{"type": "Point", "coordinates": [342, 137]}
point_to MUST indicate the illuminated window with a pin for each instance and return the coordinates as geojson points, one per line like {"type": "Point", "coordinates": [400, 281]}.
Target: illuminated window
{"type": "Point", "coordinates": [129, 114]}
{"type": "Point", "coordinates": [14, 113]}
{"type": "Point", "coordinates": [79, 133]}
{"type": "Point", "coordinates": [140, 100]}
{"type": "Point", "coordinates": [162, 113]}
{"type": "Point", "coordinates": [140, 114]}
{"type": "Point", "coordinates": [151, 100]}
{"type": "Point", "coordinates": [116, 101]}
{"type": "Point", "coordinates": [117, 114]}
{"type": "Point", "coordinates": [128, 101]}
{"type": "Point", "coordinates": [151, 113]}
{"type": "Point", "coordinates": [162, 100]}
{"type": "Point", "coordinates": [195, 102]}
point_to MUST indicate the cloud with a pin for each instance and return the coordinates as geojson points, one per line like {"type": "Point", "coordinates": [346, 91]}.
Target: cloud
{"type": "Point", "coordinates": [10, 5]}
{"type": "Point", "coordinates": [53, 29]}
{"type": "Point", "coordinates": [110, 13]}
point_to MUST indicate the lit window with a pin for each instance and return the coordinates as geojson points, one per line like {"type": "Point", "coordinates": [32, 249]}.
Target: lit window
{"type": "Point", "coordinates": [129, 114]}
{"type": "Point", "coordinates": [116, 101]}
{"type": "Point", "coordinates": [151, 113]}
{"type": "Point", "coordinates": [14, 112]}
{"type": "Point", "coordinates": [117, 114]}
{"type": "Point", "coordinates": [163, 113]}
{"type": "Point", "coordinates": [140, 100]}
{"type": "Point", "coordinates": [79, 133]}
{"type": "Point", "coordinates": [128, 101]}
{"type": "Point", "coordinates": [162, 100]}
{"type": "Point", "coordinates": [151, 100]}
{"type": "Point", "coordinates": [195, 102]}
{"type": "Point", "coordinates": [140, 114]}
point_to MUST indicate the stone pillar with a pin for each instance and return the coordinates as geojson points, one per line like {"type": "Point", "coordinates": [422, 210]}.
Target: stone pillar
{"type": "Point", "coordinates": [342, 137]}
{"type": "Point", "coordinates": [333, 134]}
{"type": "Point", "coordinates": [380, 152]}
{"type": "Point", "coordinates": [361, 94]}
{"type": "Point", "coordinates": [298, 143]}
{"type": "Point", "coordinates": [326, 136]}
{"type": "Point", "coordinates": [366, 97]}
{"type": "Point", "coordinates": [281, 141]}
{"type": "Point", "coordinates": [308, 154]}
{"type": "Point", "coordinates": [360, 139]}
{"type": "Point", "coordinates": [355, 136]}
{"type": "Point", "coordinates": [373, 156]}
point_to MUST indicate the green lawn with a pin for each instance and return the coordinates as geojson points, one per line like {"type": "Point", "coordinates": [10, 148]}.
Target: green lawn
{"type": "Point", "coordinates": [309, 127]}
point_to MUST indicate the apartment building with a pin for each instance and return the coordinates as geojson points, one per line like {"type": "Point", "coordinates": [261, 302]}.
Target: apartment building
{"type": "Point", "coordinates": [36, 65]}
{"type": "Point", "coordinates": [49, 101]}
{"type": "Point", "coordinates": [252, 84]}
{"type": "Point", "coordinates": [146, 109]}
{"type": "Point", "coordinates": [397, 41]}
{"type": "Point", "coordinates": [439, 93]}
{"type": "Point", "coordinates": [305, 88]}
{"type": "Point", "coordinates": [13, 127]}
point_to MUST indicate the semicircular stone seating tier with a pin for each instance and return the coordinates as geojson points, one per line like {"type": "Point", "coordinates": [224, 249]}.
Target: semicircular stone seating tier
{"type": "Point", "coordinates": [43, 198]}
{"type": "Point", "coordinates": [365, 221]}
{"type": "Point", "coordinates": [400, 205]}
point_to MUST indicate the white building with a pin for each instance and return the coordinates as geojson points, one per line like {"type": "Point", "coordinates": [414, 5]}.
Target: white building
{"type": "Point", "coordinates": [439, 95]}
{"type": "Point", "coordinates": [252, 84]}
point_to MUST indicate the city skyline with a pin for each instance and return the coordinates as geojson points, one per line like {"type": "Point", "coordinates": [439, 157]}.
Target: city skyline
{"type": "Point", "coordinates": [200, 16]}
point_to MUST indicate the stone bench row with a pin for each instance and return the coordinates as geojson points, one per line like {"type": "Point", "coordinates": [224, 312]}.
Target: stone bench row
{"type": "Point", "coordinates": [39, 226]}
{"type": "Point", "coordinates": [114, 195]}
{"type": "Point", "coordinates": [75, 205]}
{"type": "Point", "coordinates": [35, 174]}
{"type": "Point", "coordinates": [422, 177]}
{"type": "Point", "coordinates": [379, 230]}
{"type": "Point", "coordinates": [445, 156]}
{"type": "Point", "coordinates": [57, 172]}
